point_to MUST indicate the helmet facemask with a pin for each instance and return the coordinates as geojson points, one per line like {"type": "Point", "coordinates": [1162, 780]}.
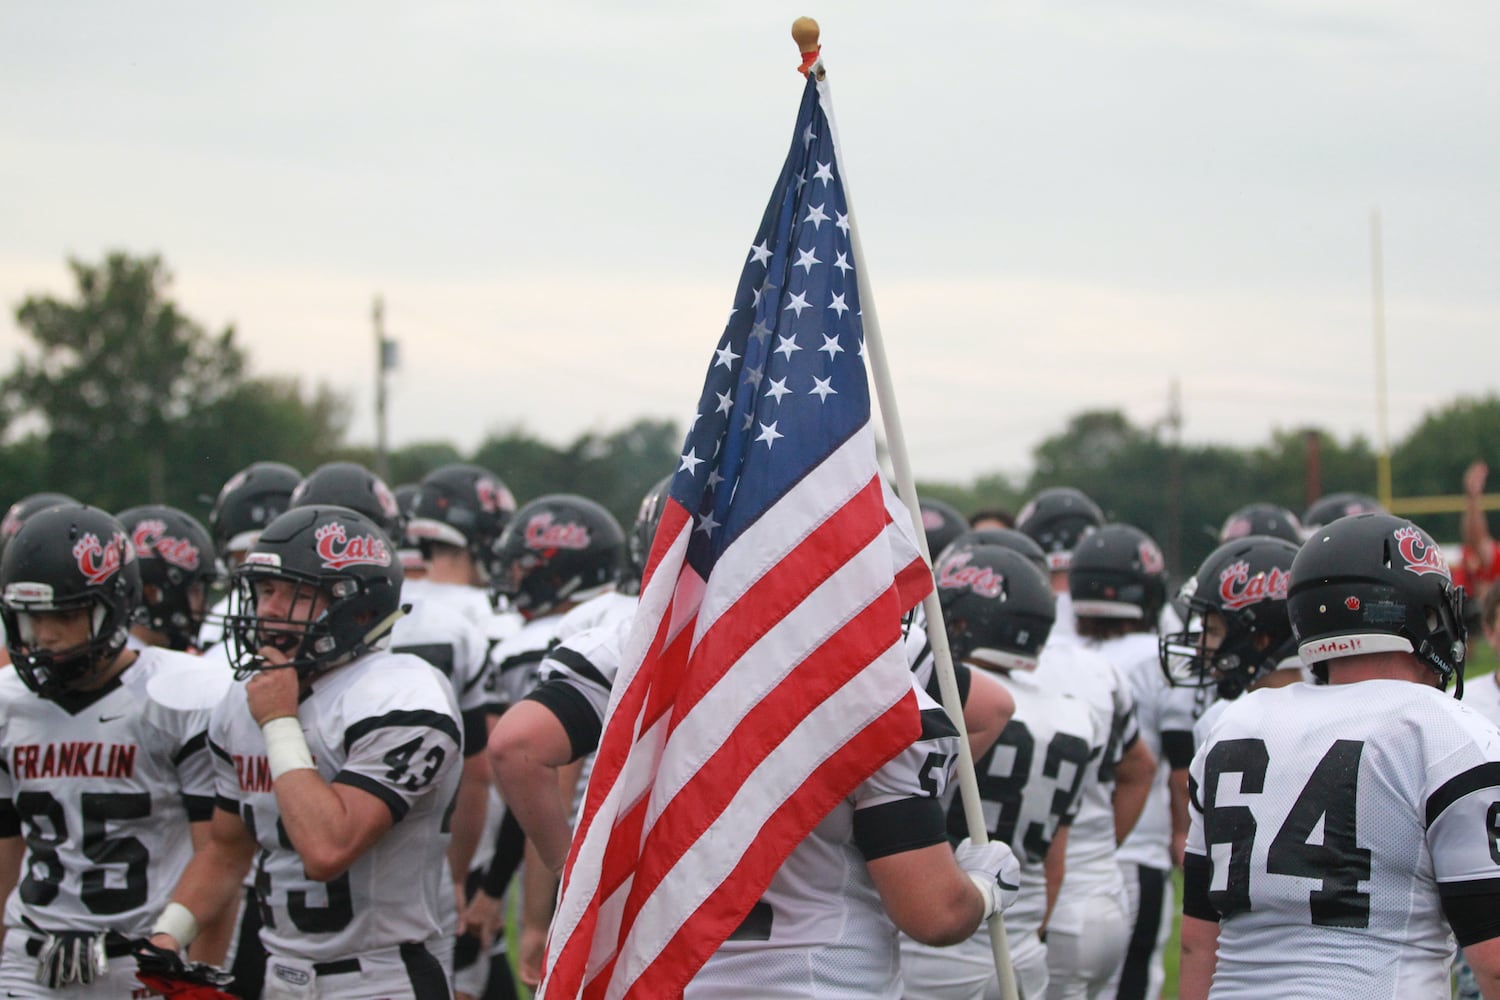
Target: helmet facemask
{"type": "Point", "coordinates": [53, 673]}
{"type": "Point", "coordinates": [310, 633]}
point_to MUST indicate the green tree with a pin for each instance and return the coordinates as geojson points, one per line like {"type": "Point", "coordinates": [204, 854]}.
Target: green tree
{"type": "Point", "coordinates": [118, 376]}
{"type": "Point", "coordinates": [1431, 460]}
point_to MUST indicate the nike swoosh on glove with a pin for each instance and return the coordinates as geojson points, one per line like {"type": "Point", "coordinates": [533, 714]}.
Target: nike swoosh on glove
{"type": "Point", "coordinates": [994, 871]}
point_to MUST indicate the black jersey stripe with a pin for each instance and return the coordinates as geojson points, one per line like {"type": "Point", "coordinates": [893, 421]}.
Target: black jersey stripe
{"type": "Point", "coordinates": [580, 665]}
{"type": "Point", "coordinates": [899, 826]}
{"type": "Point", "coordinates": [936, 725]}
{"type": "Point", "coordinates": [523, 659]}
{"type": "Point", "coordinates": [189, 748]}
{"type": "Point", "coordinates": [439, 654]}
{"type": "Point", "coordinates": [419, 718]}
{"type": "Point", "coordinates": [1486, 775]}
{"type": "Point", "coordinates": [578, 716]}
{"type": "Point", "coordinates": [394, 802]}
{"type": "Point", "coordinates": [220, 753]}
{"type": "Point", "coordinates": [1472, 909]}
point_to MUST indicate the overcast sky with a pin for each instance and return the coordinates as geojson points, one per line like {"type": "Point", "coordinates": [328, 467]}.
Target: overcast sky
{"type": "Point", "coordinates": [1063, 205]}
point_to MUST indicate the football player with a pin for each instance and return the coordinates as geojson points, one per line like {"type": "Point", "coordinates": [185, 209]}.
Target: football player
{"type": "Point", "coordinates": [1118, 584]}
{"type": "Point", "coordinates": [247, 502]}
{"type": "Point", "coordinates": [1341, 832]}
{"type": "Point", "coordinates": [1238, 637]}
{"type": "Point", "coordinates": [106, 782]}
{"type": "Point", "coordinates": [178, 568]}
{"type": "Point", "coordinates": [1056, 519]}
{"type": "Point", "coordinates": [336, 763]}
{"type": "Point", "coordinates": [998, 609]}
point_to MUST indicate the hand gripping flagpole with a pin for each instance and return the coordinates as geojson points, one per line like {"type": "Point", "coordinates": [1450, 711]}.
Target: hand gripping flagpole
{"type": "Point", "coordinates": [805, 32]}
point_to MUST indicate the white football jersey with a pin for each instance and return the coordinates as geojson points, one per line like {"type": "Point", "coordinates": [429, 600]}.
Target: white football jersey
{"type": "Point", "coordinates": [1066, 665]}
{"type": "Point", "coordinates": [1029, 782]}
{"type": "Point", "coordinates": [515, 662]}
{"type": "Point", "coordinates": [446, 638]}
{"type": "Point", "coordinates": [103, 786]}
{"type": "Point", "coordinates": [1165, 715]}
{"type": "Point", "coordinates": [1325, 823]}
{"type": "Point", "coordinates": [819, 930]}
{"type": "Point", "coordinates": [1482, 694]}
{"type": "Point", "coordinates": [388, 725]}
{"type": "Point", "coordinates": [472, 602]}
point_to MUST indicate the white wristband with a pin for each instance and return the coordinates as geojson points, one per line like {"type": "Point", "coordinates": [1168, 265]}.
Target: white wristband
{"type": "Point", "coordinates": [988, 890]}
{"type": "Point", "coordinates": [286, 747]}
{"type": "Point", "coordinates": [178, 921]}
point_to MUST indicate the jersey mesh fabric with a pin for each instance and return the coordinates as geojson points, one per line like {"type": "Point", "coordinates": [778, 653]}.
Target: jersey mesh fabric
{"type": "Point", "coordinates": [1334, 890]}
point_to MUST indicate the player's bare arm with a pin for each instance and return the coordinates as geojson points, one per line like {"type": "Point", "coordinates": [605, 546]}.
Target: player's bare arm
{"type": "Point", "coordinates": [986, 711]}
{"type": "Point", "coordinates": [927, 896]}
{"type": "Point", "coordinates": [1133, 779]}
{"type": "Point", "coordinates": [1200, 945]}
{"type": "Point", "coordinates": [329, 825]}
{"type": "Point", "coordinates": [210, 885]}
{"type": "Point", "coordinates": [11, 850]}
{"type": "Point", "coordinates": [527, 747]}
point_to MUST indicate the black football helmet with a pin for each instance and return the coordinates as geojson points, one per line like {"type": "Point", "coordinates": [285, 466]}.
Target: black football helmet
{"type": "Point", "coordinates": [1330, 508]}
{"type": "Point", "coordinates": [1371, 583]}
{"type": "Point", "coordinates": [349, 484]}
{"type": "Point", "coordinates": [643, 533]}
{"type": "Point", "coordinates": [1056, 518]}
{"type": "Point", "coordinates": [328, 554]}
{"type": "Point", "coordinates": [1118, 571]}
{"type": "Point", "coordinates": [68, 558]}
{"type": "Point", "coordinates": [942, 523]}
{"type": "Point", "coordinates": [177, 559]}
{"type": "Point", "coordinates": [557, 548]}
{"type": "Point", "coordinates": [24, 508]}
{"type": "Point", "coordinates": [464, 506]}
{"type": "Point", "coordinates": [1006, 538]}
{"type": "Point", "coordinates": [997, 606]}
{"type": "Point", "coordinates": [250, 500]}
{"type": "Point", "coordinates": [1262, 519]}
{"type": "Point", "coordinates": [1244, 582]}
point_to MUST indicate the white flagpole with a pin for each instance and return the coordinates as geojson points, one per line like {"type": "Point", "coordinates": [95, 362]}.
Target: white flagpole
{"type": "Point", "coordinates": [805, 31]}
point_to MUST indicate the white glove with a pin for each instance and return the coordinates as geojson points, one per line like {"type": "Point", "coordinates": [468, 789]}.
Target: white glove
{"type": "Point", "coordinates": [994, 871]}
{"type": "Point", "coordinates": [71, 957]}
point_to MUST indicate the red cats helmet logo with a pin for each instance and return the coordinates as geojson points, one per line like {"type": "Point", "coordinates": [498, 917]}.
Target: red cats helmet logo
{"type": "Point", "coordinates": [1152, 561]}
{"type": "Point", "coordinates": [1238, 589]}
{"type": "Point", "coordinates": [150, 537]}
{"type": "Point", "coordinates": [493, 497]}
{"type": "Point", "coordinates": [337, 552]}
{"type": "Point", "coordinates": [542, 532]}
{"type": "Point", "coordinates": [955, 573]}
{"type": "Point", "coordinates": [1421, 558]}
{"type": "Point", "coordinates": [98, 562]}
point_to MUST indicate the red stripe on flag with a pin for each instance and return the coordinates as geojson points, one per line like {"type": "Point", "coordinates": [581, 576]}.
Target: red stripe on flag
{"type": "Point", "coordinates": [713, 921]}
{"type": "Point", "coordinates": [780, 589]}
{"type": "Point", "coordinates": [711, 789]}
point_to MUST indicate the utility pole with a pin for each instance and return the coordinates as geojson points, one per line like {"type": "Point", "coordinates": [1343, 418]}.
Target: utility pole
{"type": "Point", "coordinates": [385, 359]}
{"type": "Point", "coordinates": [1174, 476]}
{"type": "Point", "coordinates": [1382, 419]}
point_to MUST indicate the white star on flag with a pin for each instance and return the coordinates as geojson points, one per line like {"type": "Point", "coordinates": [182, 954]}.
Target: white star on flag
{"type": "Point", "coordinates": [816, 216]}
{"type": "Point", "coordinates": [690, 462]}
{"type": "Point", "coordinates": [806, 259]}
{"type": "Point", "coordinates": [831, 345]}
{"type": "Point", "coordinates": [824, 172]}
{"type": "Point", "coordinates": [761, 252]}
{"type": "Point", "coordinates": [843, 221]}
{"type": "Point", "coordinates": [778, 389]}
{"type": "Point", "coordinates": [821, 389]}
{"type": "Point", "coordinates": [727, 357]}
{"type": "Point", "coordinates": [707, 524]}
{"type": "Point", "coordinates": [787, 346]}
{"type": "Point", "coordinates": [768, 433]}
{"type": "Point", "coordinates": [797, 303]}
{"type": "Point", "coordinates": [843, 265]}
{"type": "Point", "coordinates": [726, 402]}
{"type": "Point", "coordinates": [837, 305]}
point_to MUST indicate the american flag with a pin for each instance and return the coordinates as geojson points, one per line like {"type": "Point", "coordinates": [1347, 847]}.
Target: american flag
{"type": "Point", "coordinates": [763, 678]}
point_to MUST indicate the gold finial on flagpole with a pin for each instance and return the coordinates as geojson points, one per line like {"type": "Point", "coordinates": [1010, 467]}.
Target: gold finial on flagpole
{"type": "Point", "coordinates": [805, 33]}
